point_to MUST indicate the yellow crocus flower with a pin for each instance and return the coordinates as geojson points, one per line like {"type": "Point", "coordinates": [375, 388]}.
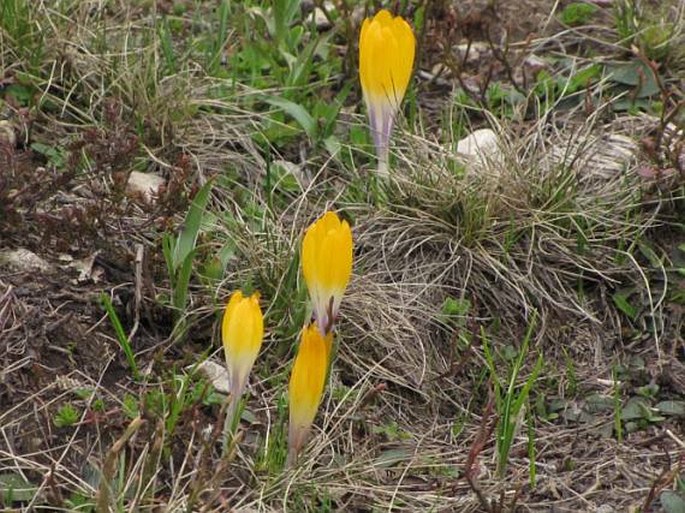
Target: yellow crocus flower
{"type": "Point", "coordinates": [307, 381]}
{"type": "Point", "coordinates": [327, 266]}
{"type": "Point", "coordinates": [242, 332]}
{"type": "Point", "coordinates": [386, 59]}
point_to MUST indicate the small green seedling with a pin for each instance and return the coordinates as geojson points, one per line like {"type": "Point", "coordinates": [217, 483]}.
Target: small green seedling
{"type": "Point", "coordinates": [66, 416]}
{"type": "Point", "coordinates": [577, 13]}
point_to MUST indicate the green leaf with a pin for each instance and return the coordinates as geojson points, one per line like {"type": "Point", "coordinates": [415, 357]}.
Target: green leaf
{"type": "Point", "coordinates": [122, 338]}
{"type": "Point", "coordinates": [635, 408]}
{"type": "Point", "coordinates": [284, 176]}
{"type": "Point", "coordinates": [54, 155]}
{"type": "Point", "coordinates": [191, 227]}
{"type": "Point", "coordinates": [650, 255]}
{"type": "Point", "coordinates": [583, 78]}
{"type": "Point", "coordinates": [672, 408]}
{"type": "Point", "coordinates": [596, 403]}
{"type": "Point", "coordinates": [180, 295]}
{"type": "Point", "coordinates": [620, 299]}
{"type": "Point", "coordinates": [392, 457]}
{"type": "Point", "coordinates": [168, 245]}
{"type": "Point", "coordinates": [21, 93]}
{"type": "Point", "coordinates": [648, 390]}
{"type": "Point", "coordinates": [248, 416]}
{"type": "Point", "coordinates": [15, 488]}
{"type": "Point", "coordinates": [672, 502]}
{"type": "Point", "coordinates": [332, 145]}
{"type": "Point", "coordinates": [637, 75]}
{"type": "Point", "coordinates": [296, 111]}
{"type": "Point", "coordinates": [215, 267]}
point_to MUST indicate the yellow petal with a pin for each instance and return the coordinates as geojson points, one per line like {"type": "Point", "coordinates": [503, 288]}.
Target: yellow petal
{"type": "Point", "coordinates": [387, 48]}
{"type": "Point", "coordinates": [307, 381]}
{"type": "Point", "coordinates": [242, 332]}
{"type": "Point", "coordinates": [327, 265]}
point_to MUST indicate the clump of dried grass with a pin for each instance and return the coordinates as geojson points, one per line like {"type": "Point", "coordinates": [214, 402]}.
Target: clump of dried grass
{"type": "Point", "coordinates": [546, 225]}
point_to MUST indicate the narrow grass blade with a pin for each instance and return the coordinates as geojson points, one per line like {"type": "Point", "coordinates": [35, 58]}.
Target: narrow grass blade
{"type": "Point", "coordinates": [191, 226]}
{"type": "Point", "coordinates": [121, 334]}
{"type": "Point", "coordinates": [182, 282]}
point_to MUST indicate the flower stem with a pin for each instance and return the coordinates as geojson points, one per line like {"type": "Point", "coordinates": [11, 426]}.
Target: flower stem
{"type": "Point", "coordinates": [383, 170]}
{"type": "Point", "coordinates": [230, 423]}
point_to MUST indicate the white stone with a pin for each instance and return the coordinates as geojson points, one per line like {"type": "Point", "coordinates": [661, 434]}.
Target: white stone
{"type": "Point", "coordinates": [8, 136]}
{"type": "Point", "coordinates": [145, 185]}
{"type": "Point", "coordinates": [216, 374]}
{"type": "Point", "coordinates": [476, 51]}
{"type": "Point", "coordinates": [318, 16]}
{"type": "Point", "coordinates": [534, 63]}
{"type": "Point", "coordinates": [320, 19]}
{"type": "Point", "coordinates": [23, 260]}
{"type": "Point", "coordinates": [481, 154]}
{"type": "Point", "coordinates": [480, 143]}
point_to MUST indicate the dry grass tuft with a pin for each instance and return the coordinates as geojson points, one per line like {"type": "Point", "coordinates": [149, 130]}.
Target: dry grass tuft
{"type": "Point", "coordinates": [546, 227]}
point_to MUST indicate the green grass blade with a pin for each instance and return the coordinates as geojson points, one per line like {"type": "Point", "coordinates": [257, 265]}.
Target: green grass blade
{"type": "Point", "coordinates": [180, 295]}
{"type": "Point", "coordinates": [168, 245]}
{"type": "Point", "coordinates": [532, 469]}
{"type": "Point", "coordinates": [297, 111]}
{"type": "Point", "coordinates": [167, 47]}
{"type": "Point", "coordinates": [191, 227]}
{"type": "Point", "coordinates": [220, 39]}
{"type": "Point", "coordinates": [121, 334]}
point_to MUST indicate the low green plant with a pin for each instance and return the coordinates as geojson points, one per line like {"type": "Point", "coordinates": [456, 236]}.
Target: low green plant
{"type": "Point", "coordinates": [67, 415]}
{"type": "Point", "coordinates": [626, 14]}
{"type": "Point", "coordinates": [130, 406]}
{"type": "Point", "coordinates": [511, 397]}
{"type": "Point", "coordinates": [121, 336]}
{"type": "Point", "coordinates": [179, 253]}
{"type": "Point", "coordinates": [294, 63]}
{"type": "Point", "coordinates": [17, 25]}
{"type": "Point", "coordinates": [80, 502]}
{"type": "Point", "coordinates": [455, 308]}
{"type": "Point", "coordinates": [392, 431]}
{"type": "Point", "coordinates": [55, 155]}
{"type": "Point", "coordinates": [571, 374]}
{"type": "Point", "coordinates": [215, 44]}
{"type": "Point", "coordinates": [15, 488]}
{"type": "Point", "coordinates": [652, 31]}
{"type": "Point", "coordinates": [181, 397]}
{"type": "Point", "coordinates": [178, 392]}
{"type": "Point", "coordinates": [115, 488]}
{"type": "Point", "coordinates": [577, 13]}
{"type": "Point", "coordinates": [271, 459]}
{"type": "Point", "coordinates": [503, 99]}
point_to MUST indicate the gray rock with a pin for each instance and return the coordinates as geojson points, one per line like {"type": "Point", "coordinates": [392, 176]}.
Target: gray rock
{"type": "Point", "coordinates": [23, 260]}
